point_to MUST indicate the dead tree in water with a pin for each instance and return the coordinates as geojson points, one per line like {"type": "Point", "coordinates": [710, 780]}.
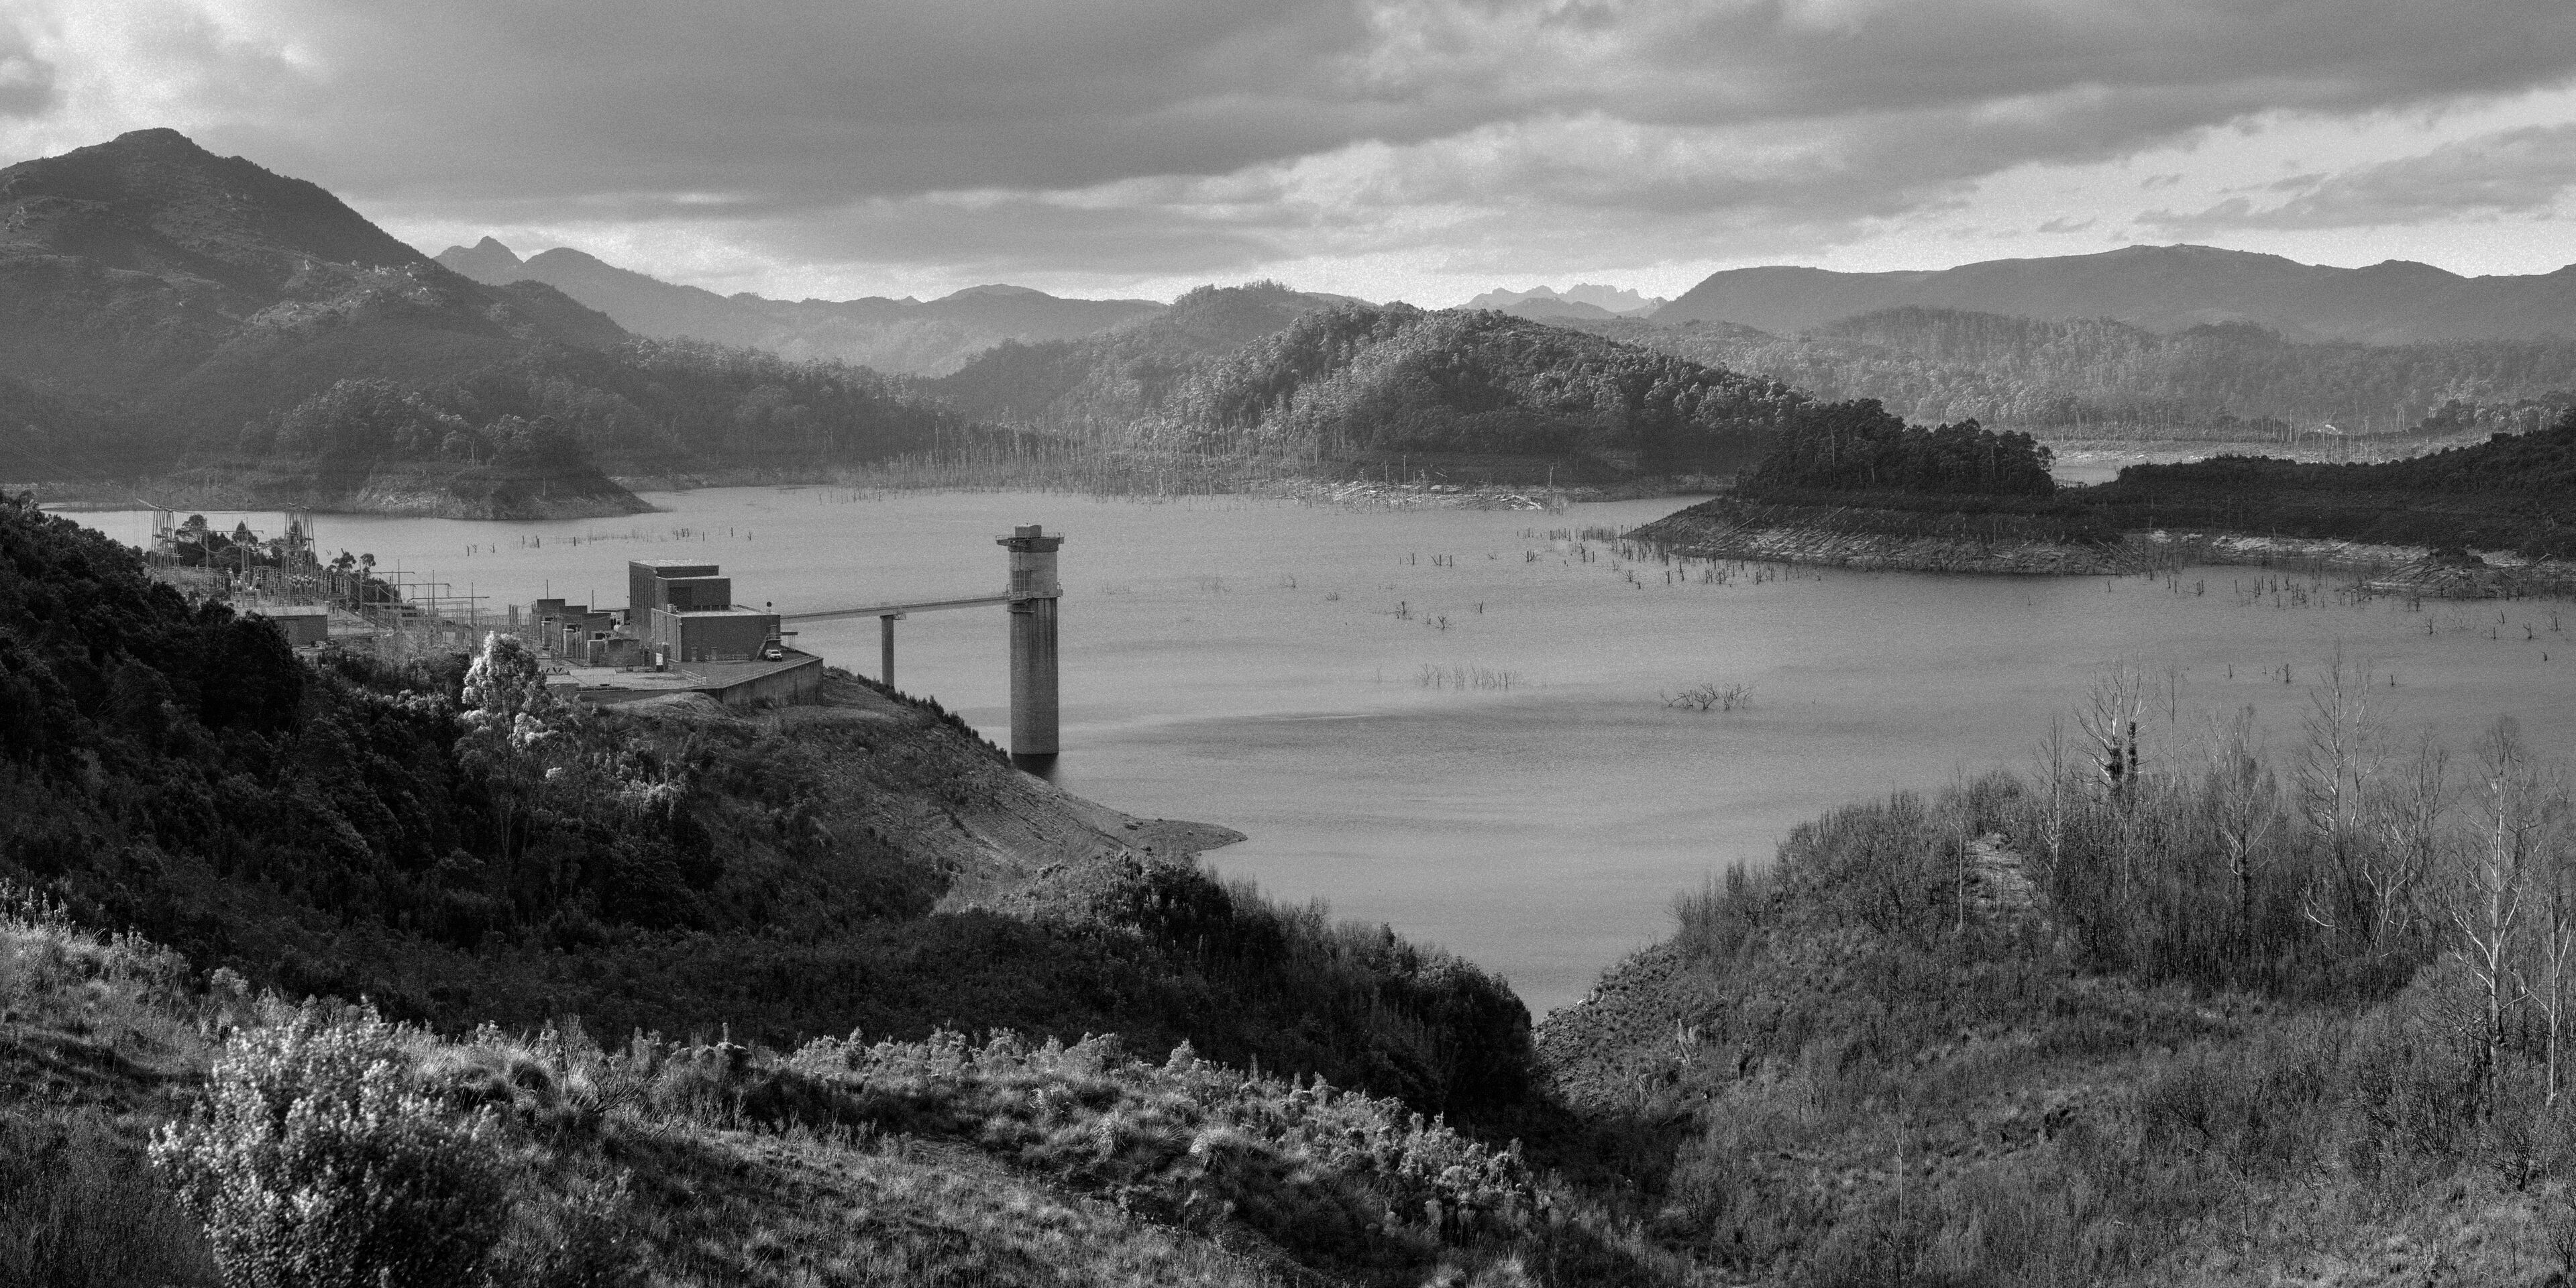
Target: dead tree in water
{"type": "Point", "coordinates": [2110, 719]}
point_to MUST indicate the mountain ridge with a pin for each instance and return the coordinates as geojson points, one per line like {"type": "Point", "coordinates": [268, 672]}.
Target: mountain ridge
{"type": "Point", "coordinates": [1581, 300]}
{"type": "Point", "coordinates": [1330, 386]}
{"type": "Point", "coordinates": [249, 338]}
{"type": "Point", "coordinates": [903, 336]}
{"type": "Point", "coordinates": [2162, 288]}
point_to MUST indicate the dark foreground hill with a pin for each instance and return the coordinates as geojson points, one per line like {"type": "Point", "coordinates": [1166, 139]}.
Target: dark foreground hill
{"type": "Point", "coordinates": [2162, 288]}
{"type": "Point", "coordinates": [904, 336]}
{"type": "Point", "coordinates": [172, 308]}
{"type": "Point", "coordinates": [1338, 387]}
{"type": "Point", "coordinates": [457, 847]}
{"type": "Point", "coordinates": [856, 980]}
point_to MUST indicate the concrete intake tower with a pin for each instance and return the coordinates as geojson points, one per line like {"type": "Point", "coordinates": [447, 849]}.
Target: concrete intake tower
{"type": "Point", "coordinates": [1034, 594]}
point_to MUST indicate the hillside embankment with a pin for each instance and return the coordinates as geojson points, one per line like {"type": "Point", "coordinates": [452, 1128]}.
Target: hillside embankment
{"type": "Point", "coordinates": [418, 489]}
{"type": "Point", "coordinates": [1877, 539]}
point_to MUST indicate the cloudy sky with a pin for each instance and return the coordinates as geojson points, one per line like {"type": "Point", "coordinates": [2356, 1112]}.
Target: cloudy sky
{"type": "Point", "coordinates": [1423, 149]}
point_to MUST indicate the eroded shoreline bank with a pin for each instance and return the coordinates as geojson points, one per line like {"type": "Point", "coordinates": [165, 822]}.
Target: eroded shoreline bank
{"type": "Point", "coordinates": [1854, 538]}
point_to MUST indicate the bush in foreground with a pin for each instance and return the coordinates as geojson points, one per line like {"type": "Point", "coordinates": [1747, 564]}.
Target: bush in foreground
{"type": "Point", "coordinates": [313, 1164]}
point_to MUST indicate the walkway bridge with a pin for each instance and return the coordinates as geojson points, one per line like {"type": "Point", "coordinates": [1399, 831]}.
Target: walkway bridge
{"type": "Point", "coordinates": [1031, 600]}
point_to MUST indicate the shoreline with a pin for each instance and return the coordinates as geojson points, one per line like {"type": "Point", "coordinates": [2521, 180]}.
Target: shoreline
{"type": "Point", "coordinates": [2381, 569]}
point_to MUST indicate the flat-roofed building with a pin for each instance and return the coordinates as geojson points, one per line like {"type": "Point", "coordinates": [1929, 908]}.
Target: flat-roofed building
{"type": "Point", "coordinates": [642, 596]}
{"type": "Point", "coordinates": [684, 612]}
{"type": "Point", "coordinates": [710, 634]}
{"type": "Point", "coordinates": [303, 625]}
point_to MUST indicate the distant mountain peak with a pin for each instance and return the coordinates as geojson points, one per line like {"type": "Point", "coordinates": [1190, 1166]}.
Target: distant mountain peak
{"type": "Point", "coordinates": [561, 254]}
{"type": "Point", "coordinates": [160, 136]}
{"type": "Point", "coordinates": [486, 261]}
{"type": "Point", "coordinates": [153, 201]}
{"type": "Point", "coordinates": [1583, 299]}
{"type": "Point", "coordinates": [997, 289]}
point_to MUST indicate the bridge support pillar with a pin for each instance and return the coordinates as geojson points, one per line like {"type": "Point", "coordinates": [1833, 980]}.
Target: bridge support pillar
{"type": "Point", "coordinates": [1034, 593]}
{"type": "Point", "coordinates": [885, 624]}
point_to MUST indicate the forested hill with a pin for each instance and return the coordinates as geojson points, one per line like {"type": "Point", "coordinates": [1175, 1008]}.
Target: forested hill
{"type": "Point", "coordinates": [1126, 373]}
{"type": "Point", "coordinates": [168, 307]}
{"type": "Point", "coordinates": [1258, 372]}
{"type": "Point", "coordinates": [183, 293]}
{"type": "Point", "coordinates": [2096, 377]}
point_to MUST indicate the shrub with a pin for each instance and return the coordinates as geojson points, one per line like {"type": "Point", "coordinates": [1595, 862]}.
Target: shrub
{"type": "Point", "coordinates": [313, 1165]}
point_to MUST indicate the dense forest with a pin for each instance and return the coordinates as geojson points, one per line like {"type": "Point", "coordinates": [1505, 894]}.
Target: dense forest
{"type": "Point", "coordinates": [639, 407]}
{"type": "Point", "coordinates": [2106, 379]}
{"type": "Point", "coordinates": [1860, 447]}
{"type": "Point", "coordinates": [2515, 492]}
{"type": "Point", "coordinates": [2512, 492]}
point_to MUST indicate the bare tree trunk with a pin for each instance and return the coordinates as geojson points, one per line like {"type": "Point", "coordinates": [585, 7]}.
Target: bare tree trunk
{"type": "Point", "coordinates": [2244, 807]}
{"type": "Point", "coordinates": [2340, 751]}
{"type": "Point", "coordinates": [2499, 870]}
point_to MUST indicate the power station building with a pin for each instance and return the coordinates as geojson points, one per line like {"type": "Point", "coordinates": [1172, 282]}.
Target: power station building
{"type": "Point", "coordinates": [684, 612]}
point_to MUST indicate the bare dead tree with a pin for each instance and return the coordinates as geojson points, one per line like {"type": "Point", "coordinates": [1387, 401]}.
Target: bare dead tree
{"type": "Point", "coordinates": [2338, 757]}
{"type": "Point", "coordinates": [2244, 804]}
{"type": "Point", "coordinates": [2407, 812]}
{"type": "Point", "coordinates": [2109, 720]}
{"type": "Point", "coordinates": [2554, 872]}
{"type": "Point", "coordinates": [2494, 880]}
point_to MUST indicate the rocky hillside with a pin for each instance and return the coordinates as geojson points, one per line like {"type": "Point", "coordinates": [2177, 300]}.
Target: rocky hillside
{"type": "Point", "coordinates": [904, 336]}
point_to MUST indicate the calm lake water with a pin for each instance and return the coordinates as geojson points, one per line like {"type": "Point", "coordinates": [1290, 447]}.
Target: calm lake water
{"type": "Point", "coordinates": [1330, 682]}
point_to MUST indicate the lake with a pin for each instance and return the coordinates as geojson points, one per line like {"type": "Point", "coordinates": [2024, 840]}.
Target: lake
{"type": "Point", "coordinates": [1450, 721]}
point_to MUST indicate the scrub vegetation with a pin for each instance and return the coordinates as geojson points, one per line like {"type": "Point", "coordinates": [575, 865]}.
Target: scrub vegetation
{"type": "Point", "coordinates": [2183, 1004]}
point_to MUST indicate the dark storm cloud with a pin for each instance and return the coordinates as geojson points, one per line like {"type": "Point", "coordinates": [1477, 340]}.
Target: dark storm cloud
{"type": "Point", "coordinates": [26, 81]}
{"type": "Point", "coordinates": [804, 102]}
{"type": "Point", "coordinates": [1226, 132]}
{"type": "Point", "coordinates": [2511, 172]}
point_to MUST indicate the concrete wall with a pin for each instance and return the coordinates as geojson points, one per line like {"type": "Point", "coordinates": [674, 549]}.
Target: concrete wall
{"type": "Point", "coordinates": [700, 593]}
{"type": "Point", "coordinates": [710, 637]}
{"type": "Point", "coordinates": [796, 685]}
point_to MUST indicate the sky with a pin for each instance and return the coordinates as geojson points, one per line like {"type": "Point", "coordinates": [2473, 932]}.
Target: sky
{"type": "Point", "coordinates": [1418, 149]}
